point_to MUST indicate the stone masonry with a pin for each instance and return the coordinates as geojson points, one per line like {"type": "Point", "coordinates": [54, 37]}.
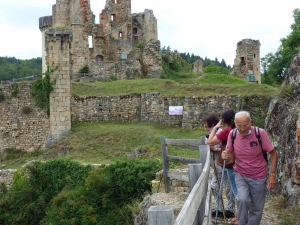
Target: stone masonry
{"type": "Point", "coordinates": [111, 40]}
{"type": "Point", "coordinates": [23, 131]}
{"type": "Point", "coordinates": [247, 60]}
{"type": "Point", "coordinates": [59, 56]}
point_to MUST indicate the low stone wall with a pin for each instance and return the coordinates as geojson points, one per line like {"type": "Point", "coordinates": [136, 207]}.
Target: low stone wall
{"type": "Point", "coordinates": [177, 186]}
{"type": "Point", "coordinates": [154, 107]}
{"type": "Point", "coordinates": [20, 130]}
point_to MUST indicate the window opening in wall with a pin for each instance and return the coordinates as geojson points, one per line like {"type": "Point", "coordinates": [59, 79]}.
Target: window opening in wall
{"type": "Point", "coordinates": [243, 61]}
{"type": "Point", "coordinates": [120, 34]}
{"type": "Point", "coordinates": [254, 55]}
{"type": "Point", "coordinates": [114, 1]}
{"type": "Point", "coordinates": [113, 17]}
{"type": "Point", "coordinates": [135, 30]}
{"type": "Point", "coordinates": [99, 58]}
{"type": "Point", "coordinates": [91, 42]}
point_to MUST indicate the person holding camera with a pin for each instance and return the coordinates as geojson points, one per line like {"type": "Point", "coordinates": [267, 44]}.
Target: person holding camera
{"type": "Point", "coordinates": [209, 123]}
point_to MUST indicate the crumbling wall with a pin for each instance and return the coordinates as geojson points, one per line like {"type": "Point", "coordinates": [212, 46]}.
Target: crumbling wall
{"type": "Point", "coordinates": [144, 26]}
{"type": "Point", "coordinates": [198, 67]}
{"type": "Point", "coordinates": [247, 60]}
{"type": "Point", "coordinates": [25, 131]}
{"type": "Point", "coordinates": [111, 39]}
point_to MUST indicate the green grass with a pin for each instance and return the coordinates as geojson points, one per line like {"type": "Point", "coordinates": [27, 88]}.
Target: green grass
{"type": "Point", "coordinates": [186, 85]}
{"type": "Point", "coordinates": [285, 214]}
{"type": "Point", "coordinates": [104, 143]}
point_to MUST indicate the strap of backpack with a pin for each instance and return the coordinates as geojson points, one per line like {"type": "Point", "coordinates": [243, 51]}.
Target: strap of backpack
{"type": "Point", "coordinates": [257, 133]}
{"type": "Point", "coordinates": [233, 136]}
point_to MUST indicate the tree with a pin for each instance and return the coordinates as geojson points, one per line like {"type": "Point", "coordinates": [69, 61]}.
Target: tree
{"type": "Point", "coordinates": [275, 66]}
{"type": "Point", "coordinates": [223, 63]}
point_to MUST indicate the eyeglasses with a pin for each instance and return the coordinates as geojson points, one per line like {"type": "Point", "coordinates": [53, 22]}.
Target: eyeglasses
{"type": "Point", "coordinates": [243, 126]}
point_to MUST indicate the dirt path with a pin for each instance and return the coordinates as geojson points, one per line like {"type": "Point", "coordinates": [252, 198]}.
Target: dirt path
{"type": "Point", "coordinates": [269, 218]}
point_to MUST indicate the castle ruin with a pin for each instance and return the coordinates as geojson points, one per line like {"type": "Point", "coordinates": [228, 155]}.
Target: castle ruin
{"type": "Point", "coordinates": [247, 61]}
{"type": "Point", "coordinates": [99, 46]}
{"type": "Point", "coordinates": [72, 40]}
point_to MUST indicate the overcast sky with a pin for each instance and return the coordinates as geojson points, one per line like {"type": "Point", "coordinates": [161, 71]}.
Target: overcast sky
{"type": "Point", "coordinates": [208, 28]}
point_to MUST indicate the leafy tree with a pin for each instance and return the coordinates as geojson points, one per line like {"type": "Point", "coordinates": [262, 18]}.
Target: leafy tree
{"type": "Point", "coordinates": [10, 67]}
{"type": "Point", "coordinates": [275, 66]}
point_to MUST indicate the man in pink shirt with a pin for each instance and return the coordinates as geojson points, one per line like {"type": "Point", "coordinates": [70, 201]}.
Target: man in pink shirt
{"type": "Point", "coordinates": [250, 169]}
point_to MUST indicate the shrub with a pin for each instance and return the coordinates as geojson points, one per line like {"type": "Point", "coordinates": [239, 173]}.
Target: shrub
{"type": "Point", "coordinates": [106, 196]}
{"type": "Point", "coordinates": [34, 188]}
{"type": "Point", "coordinates": [41, 89]}
{"type": "Point", "coordinates": [212, 68]}
{"type": "Point", "coordinates": [85, 69]}
{"type": "Point", "coordinates": [26, 110]}
{"type": "Point", "coordinates": [15, 91]}
{"type": "Point", "coordinates": [140, 44]}
{"type": "Point", "coordinates": [113, 77]}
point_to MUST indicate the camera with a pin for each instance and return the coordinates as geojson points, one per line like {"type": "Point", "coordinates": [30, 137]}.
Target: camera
{"type": "Point", "coordinates": [207, 135]}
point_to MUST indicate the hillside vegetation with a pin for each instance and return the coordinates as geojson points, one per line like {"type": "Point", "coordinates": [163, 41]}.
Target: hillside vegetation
{"type": "Point", "coordinates": [187, 84]}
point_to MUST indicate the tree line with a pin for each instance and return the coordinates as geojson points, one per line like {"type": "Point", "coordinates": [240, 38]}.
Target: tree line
{"type": "Point", "coordinates": [10, 67]}
{"type": "Point", "coordinates": [191, 58]}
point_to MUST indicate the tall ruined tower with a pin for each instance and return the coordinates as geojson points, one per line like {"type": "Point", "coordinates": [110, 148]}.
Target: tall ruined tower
{"type": "Point", "coordinates": [247, 60]}
{"type": "Point", "coordinates": [144, 26]}
{"type": "Point", "coordinates": [113, 36]}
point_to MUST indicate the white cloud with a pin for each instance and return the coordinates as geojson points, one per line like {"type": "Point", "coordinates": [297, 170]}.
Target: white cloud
{"type": "Point", "coordinates": [208, 28]}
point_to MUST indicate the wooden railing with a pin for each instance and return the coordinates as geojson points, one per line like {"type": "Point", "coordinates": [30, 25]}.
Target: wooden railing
{"type": "Point", "coordinates": [196, 209]}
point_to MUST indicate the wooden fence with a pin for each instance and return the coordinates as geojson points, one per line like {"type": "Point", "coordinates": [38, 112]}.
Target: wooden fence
{"type": "Point", "coordinates": [196, 209]}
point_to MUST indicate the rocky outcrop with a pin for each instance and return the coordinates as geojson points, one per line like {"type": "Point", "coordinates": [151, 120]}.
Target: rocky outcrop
{"type": "Point", "coordinates": [283, 126]}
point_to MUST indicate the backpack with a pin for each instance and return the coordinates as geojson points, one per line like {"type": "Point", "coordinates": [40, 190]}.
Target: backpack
{"type": "Point", "coordinates": [257, 133]}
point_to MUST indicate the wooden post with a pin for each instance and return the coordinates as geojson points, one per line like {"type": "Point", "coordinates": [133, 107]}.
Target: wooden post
{"type": "Point", "coordinates": [195, 171]}
{"type": "Point", "coordinates": [161, 215]}
{"type": "Point", "coordinates": [165, 164]}
{"type": "Point", "coordinates": [203, 155]}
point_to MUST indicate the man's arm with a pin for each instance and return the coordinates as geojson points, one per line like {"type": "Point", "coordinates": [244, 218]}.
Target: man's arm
{"type": "Point", "coordinates": [272, 174]}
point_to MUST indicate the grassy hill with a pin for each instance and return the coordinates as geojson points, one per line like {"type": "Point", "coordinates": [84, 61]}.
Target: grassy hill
{"type": "Point", "coordinates": [185, 85]}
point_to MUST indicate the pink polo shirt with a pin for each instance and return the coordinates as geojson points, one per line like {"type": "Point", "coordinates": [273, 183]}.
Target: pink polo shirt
{"type": "Point", "coordinates": [249, 160]}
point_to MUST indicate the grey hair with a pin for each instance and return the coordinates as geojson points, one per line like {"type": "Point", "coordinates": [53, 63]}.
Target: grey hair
{"type": "Point", "coordinates": [242, 113]}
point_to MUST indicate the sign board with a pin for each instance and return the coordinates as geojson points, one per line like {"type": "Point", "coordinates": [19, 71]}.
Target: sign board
{"type": "Point", "coordinates": [123, 57]}
{"type": "Point", "coordinates": [175, 110]}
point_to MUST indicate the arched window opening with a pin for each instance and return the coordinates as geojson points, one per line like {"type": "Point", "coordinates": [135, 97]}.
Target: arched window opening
{"type": "Point", "coordinates": [254, 55]}
{"type": "Point", "coordinates": [99, 58]}
{"type": "Point", "coordinates": [135, 30]}
{"type": "Point", "coordinates": [120, 34]}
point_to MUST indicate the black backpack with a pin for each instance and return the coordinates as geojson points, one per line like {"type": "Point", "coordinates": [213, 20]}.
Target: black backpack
{"type": "Point", "coordinates": [257, 133]}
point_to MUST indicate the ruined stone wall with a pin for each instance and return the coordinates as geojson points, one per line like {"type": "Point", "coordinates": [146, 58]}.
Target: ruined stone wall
{"type": "Point", "coordinates": [80, 48]}
{"type": "Point", "coordinates": [198, 67]}
{"type": "Point", "coordinates": [154, 107]}
{"type": "Point", "coordinates": [61, 13]}
{"type": "Point", "coordinates": [17, 129]}
{"type": "Point", "coordinates": [120, 108]}
{"type": "Point", "coordinates": [152, 59]}
{"type": "Point", "coordinates": [144, 26]}
{"type": "Point", "coordinates": [247, 61]}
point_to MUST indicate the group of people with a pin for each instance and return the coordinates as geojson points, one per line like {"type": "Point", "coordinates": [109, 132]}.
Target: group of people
{"type": "Point", "coordinates": [246, 181]}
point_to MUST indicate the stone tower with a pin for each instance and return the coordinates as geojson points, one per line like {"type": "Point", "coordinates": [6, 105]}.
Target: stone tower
{"type": "Point", "coordinates": [247, 60]}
